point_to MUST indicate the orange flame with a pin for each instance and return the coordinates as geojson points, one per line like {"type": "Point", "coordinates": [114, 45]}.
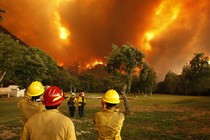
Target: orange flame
{"type": "Point", "coordinates": [60, 64]}
{"type": "Point", "coordinates": [165, 14]}
{"type": "Point", "coordinates": [63, 32]}
{"type": "Point", "coordinates": [94, 63]}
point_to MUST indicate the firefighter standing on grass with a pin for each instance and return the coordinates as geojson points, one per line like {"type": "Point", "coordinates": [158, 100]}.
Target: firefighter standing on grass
{"type": "Point", "coordinates": [50, 124]}
{"type": "Point", "coordinates": [71, 101]}
{"type": "Point", "coordinates": [31, 104]}
{"type": "Point", "coordinates": [81, 104]}
{"type": "Point", "coordinates": [109, 121]}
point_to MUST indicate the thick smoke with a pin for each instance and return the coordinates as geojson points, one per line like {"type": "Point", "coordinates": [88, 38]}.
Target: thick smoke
{"type": "Point", "coordinates": [176, 46]}
{"type": "Point", "coordinates": [94, 26]}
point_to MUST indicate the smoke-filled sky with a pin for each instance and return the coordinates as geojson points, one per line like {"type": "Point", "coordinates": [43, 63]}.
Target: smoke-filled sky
{"type": "Point", "coordinates": [169, 32]}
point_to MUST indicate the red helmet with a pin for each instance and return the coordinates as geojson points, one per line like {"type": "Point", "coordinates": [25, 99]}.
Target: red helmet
{"type": "Point", "coordinates": [53, 96]}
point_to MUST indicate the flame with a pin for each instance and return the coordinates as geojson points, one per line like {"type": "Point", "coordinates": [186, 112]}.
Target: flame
{"type": "Point", "coordinates": [62, 31]}
{"type": "Point", "coordinates": [165, 14]}
{"type": "Point", "coordinates": [60, 64]}
{"type": "Point", "coordinates": [94, 63]}
{"type": "Point", "coordinates": [148, 36]}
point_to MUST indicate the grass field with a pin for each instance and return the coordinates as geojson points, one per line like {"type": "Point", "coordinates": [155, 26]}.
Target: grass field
{"type": "Point", "coordinates": [157, 117]}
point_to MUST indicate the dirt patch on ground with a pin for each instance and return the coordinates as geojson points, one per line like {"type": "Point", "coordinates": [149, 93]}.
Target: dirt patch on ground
{"type": "Point", "coordinates": [7, 134]}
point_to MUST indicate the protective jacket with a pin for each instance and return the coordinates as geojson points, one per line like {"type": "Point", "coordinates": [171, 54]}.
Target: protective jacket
{"type": "Point", "coordinates": [81, 101]}
{"type": "Point", "coordinates": [109, 124]}
{"type": "Point", "coordinates": [49, 125]}
{"type": "Point", "coordinates": [71, 101]}
{"type": "Point", "coordinates": [28, 108]}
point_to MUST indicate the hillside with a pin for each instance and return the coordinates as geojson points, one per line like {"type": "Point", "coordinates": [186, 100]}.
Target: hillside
{"type": "Point", "coordinates": [97, 70]}
{"type": "Point", "coordinates": [5, 31]}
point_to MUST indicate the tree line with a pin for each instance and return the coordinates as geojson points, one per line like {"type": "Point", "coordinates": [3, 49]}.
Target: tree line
{"type": "Point", "coordinates": [194, 79]}
{"type": "Point", "coordinates": [126, 67]}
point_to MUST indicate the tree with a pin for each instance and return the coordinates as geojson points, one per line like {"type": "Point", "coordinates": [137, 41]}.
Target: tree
{"type": "Point", "coordinates": [106, 83]}
{"type": "Point", "coordinates": [49, 62]}
{"type": "Point", "coordinates": [184, 82]}
{"type": "Point", "coordinates": [171, 82]}
{"type": "Point", "coordinates": [31, 67]}
{"type": "Point", "coordinates": [123, 63]}
{"type": "Point", "coordinates": [63, 79]}
{"type": "Point", "coordinates": [147, 79]}
{"type": "Point", "coordinates": [10, 55]}
{"type": "Point", "coordinates": [23, 65]}
{"type": "Point", "coordinates": [197, 73]}
{"type": "Point", "coordinates": [145, 82]}
{"type": "Point", "coordinates": [88, 82]}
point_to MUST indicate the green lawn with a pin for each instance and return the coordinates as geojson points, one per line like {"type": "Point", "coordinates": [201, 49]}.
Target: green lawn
{"type": "Point", "coordinates": [157, 117]}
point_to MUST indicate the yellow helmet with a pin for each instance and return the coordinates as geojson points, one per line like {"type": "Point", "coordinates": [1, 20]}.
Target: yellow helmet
{"type": "Point", "coordinates": [35, 89]}
{"type": "Point", "coordinates": [112, 97]}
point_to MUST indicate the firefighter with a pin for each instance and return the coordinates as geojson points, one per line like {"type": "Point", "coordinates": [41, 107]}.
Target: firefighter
{"type": "Point", "coordinates": [50, 124]}
{"type": "Point", "coordinates": [109, 121]}
{"type": "Point", "coordinates": [81, 100]}
{"type": "Point", "coordinates": [31, 104]}
{"type": "Point", "coordinates": [71, 101]}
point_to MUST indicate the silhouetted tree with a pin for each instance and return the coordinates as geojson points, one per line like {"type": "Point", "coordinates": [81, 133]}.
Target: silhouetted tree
{"type": "Point", "coordinates": [88, 82]}
{"type": "Point", "coordinates": [196, 75]}
{"type": "Point", "coordinates": [123, 64]}
{"type": "Point", "coordinates": [147, 79]}
{"type": "Point", "coordinates": [171, 82]}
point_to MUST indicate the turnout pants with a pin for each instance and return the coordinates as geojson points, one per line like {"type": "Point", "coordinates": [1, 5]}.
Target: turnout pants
{"type": "Point", "coordinates": [81, 111]}
{"type": "Point", "coordinates": [72, 111]}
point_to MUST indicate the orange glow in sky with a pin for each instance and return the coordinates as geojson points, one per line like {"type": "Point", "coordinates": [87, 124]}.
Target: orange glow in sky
{"type": "Point", "coordinates": [165, 14]}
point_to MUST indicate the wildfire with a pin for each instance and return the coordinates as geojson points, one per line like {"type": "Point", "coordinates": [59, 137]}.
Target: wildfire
{"type": "Point", "coordinates": [148, 36]}
{"type": "Point", "coordinates": [165, 14]}
{"type": "Point", "coordinates": [96, 62]}
{"type": "Point", "coordinates": [60, 64]}
{"type": "Point", "coordinates": [63, 32]}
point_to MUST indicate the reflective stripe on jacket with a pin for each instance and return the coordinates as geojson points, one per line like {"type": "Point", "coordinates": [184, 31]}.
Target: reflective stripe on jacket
{"type": "Point", "coordinates": [28, 108]}
{"type": "Point", "coordinates": [109, 124]}
{"type": "Point", "coordinates": [49, 125]}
